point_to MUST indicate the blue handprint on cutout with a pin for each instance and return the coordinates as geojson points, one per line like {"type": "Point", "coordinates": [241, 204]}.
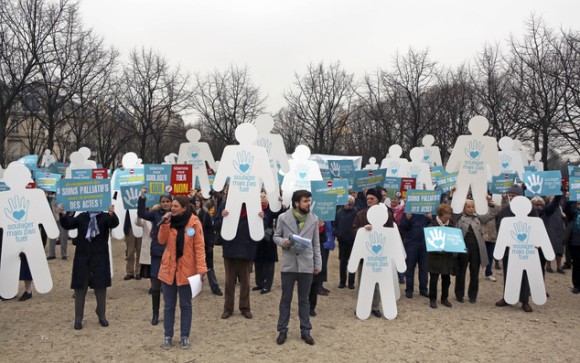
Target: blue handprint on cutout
{"type": "Point", "coordinates": [427, 154]}
{"type": "Point", "coordinates": [335, 169]}
{"type": "Point", "coordinates": [265, 143]}
{"type": "Point", "coordinates": [505, 161]}
{"type": "Point", "coordinates": [394, 167]}
{"type": "Point", "coordinates": [244, 161]}
{"type": "Point", "coordinates": [18, 209]}
{"type": "Point", "coordinates": [474, 149]}
{"type": "Point", "coordinates": [521, 231]}
{"type": "Point", "coordinates": [302, 170]}
{"type": "Point", "coordinates": [534, 183]}
{"type": "Point", "coordinates": [414, 171]}
{"type": "Point", "coordinates": [376, 243]}
{"type": "Point", "coordinates": [194, 152]}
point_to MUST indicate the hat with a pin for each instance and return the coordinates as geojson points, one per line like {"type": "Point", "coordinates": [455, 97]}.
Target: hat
{"type": "Point", "coordinates": [516, 189]}
{"type": "Point", "coordinates": [374, 193]}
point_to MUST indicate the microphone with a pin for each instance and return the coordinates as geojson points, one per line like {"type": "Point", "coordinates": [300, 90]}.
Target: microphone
{"type": "Point", "coordinates": [163, 220]}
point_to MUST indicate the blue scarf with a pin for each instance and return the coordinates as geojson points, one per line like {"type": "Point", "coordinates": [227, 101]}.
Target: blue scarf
{"type": "Point", "coordinates": [93, 229]}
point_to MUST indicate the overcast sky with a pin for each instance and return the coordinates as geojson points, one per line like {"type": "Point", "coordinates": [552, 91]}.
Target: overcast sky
{"type": "Point", "coordinates": [276, 39]}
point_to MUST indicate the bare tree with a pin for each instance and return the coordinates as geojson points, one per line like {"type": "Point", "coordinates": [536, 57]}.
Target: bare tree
{"type": "Point", "coordinates": [222, 101]}
{"type": "Point", "coordinates": [290, 128]}
{"type": "Point", "coordinates": [25, 27]}
{"type": "Point", "coordinates": [323, 100]}
{"type": "Point", "coordinates": [570, 59]}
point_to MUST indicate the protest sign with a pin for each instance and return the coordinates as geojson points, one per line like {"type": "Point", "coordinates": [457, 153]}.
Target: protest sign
{"type": "Point", "coordinates": [342, 169]}
{"type": "Point", "coordinates": [47, 181]}
{"type": "Point", "coordinates": [93, 195]}
{"type": "Point", "coordinates": [368, 178]}
{"type": "Point", "coordinates": [157, 181]}
{"type": "Point", "coordinates": [502, 183]}
{"type": "Point", "coordinates": [444, 239]}
{"type": "Point", "coordinates": [422, 201]}
{"type": "Point", "coordinates": [543, 183]}
{"type": "Point", "coordinates": [336, 187]}
{"type": "Point", "coordinates": [324, 206]}
{"type": "Point", "coordinates": [181, 177]}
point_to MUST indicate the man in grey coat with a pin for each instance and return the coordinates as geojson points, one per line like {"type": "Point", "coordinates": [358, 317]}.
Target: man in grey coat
{"type": "Point", "coordinates": [299, 262]}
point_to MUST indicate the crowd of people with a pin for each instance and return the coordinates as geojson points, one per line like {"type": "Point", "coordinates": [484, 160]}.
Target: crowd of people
{"type": "Point", "coordinates": [180, 234]}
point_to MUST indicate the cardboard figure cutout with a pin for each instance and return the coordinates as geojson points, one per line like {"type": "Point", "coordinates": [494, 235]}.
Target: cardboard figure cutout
{"type": "Point", "coordinates": [380, 248]}
{"type": "Point", "coordinates": [517, 146]}
{"type": "Point", "coordinates": [470, 157]}
{"type": "Point", "coordinates": [87, 154]}
{"type": "Point", "coordinates": [523, 235]}
{"type": "Point", "coordinates": [431, 154]}
{"type": "Point", "coordinates": [170, 159]}
{"type": "Point", "coordinates": [129, 161]}
{"type": "Point", "coordinates": [77, 161]}
{"type": "Point", "coordinates": [247, 166]}
{"type": "Point", "coordinates": [510, 160]}
{"type": "Point", "coordinates": [197, 153]}
{"type": "Point", "coordinates": [22, 211]}
{"type": "Point", "coordinates": [1, 172]}
{"type": "Point", "coordinates": [419, 170]}
{"type": "Point", "coordinates": [372, 165]}
{"type": "Point", "coordinates": [274, 145]}
{"type": "Point", "coordinates": [302, 172]}
{"type": "Point", "coordinates": [537, 162]}
{"type": "Point", "coordinates": [394, 163]}
{"type": "Point", "coordinates": [47, 159]}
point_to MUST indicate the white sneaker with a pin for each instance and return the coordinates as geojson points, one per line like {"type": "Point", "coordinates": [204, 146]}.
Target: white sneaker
{"type": "Point", "coordinates": [490, 278]}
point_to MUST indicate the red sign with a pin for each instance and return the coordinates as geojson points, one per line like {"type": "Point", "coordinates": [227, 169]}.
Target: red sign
{"type": "Point", "coordinates": [329, 183]}
{"type": "Point", "coordinates": [371, 173]}
{"type": "Point", "coordinates": [100, 173]}
{"type": "Point", "coordinates": [31, 185]}
{"type": "Point", "coordinates": [181, 179]}
{"type": "Point", "coordinates": [131, 171]}
{"type": "Point", "coordinates": [406, 184]}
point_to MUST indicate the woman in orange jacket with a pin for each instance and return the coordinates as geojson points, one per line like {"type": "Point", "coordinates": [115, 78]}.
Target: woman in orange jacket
{"type": "Point", "coordinates": [184, 256]}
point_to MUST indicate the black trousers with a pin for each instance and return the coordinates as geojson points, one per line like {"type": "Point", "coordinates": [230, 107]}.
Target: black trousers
{"type": "Point", "coordinates": [264, 274]}
{"type": "Point", "coordinates": [313, 295]}
{"type": "Point", "coordinates": [575, 253]}
{"type": "Point", "coordinates": [80, 295]}
{"type": "Point", "coordinates": [472, 259]}
{"type": "Point", "coordinates": [344, 251]}
{"type": "Point", "coordinates": [445, 283]}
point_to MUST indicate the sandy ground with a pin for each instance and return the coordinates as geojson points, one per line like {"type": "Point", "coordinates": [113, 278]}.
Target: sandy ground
{"type": "Point", "coordinates": [41, 329]}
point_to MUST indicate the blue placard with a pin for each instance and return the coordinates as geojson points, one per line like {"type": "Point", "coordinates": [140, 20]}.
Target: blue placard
{"type": "Point", "coordinates": [157, 179]}
{"type": "Point", "coordinates": [342, 169]}
{"type": "Point", "coordinates": [422, 201]}
{"type": "Point", "coordinates": [530, 168]}
{"type": "Point", "coordinates": [30, 161]}
{"type": "Point", "coordinates": [324, 206]}
{"type": "Point", "coordinates": [339, 189]}
{"type": "Point", "coordinates": [436, 172]}
{"type": "Point", "coordinates": [444, 239]}
{"type": "Point", "coordinates": [60, 168]}
{"type": "Point", "coordinates": [128, 176]}
{"type": "Point", "coordinates": [3, 187]}
{"type": "Point", "coordinates": [446, 181]}
{"type": "Point", "coordinates": [543, 183]}
{"type": "Point", "coordinates": [46, 181]}
{"type": "Point", "coordinates": [325, 174]}
{"type": "Point", "coordinates": [392, 185]}
{"type": "Point", "coordinates": [366, 179]}
{"type": "Point", "coordinates": [574, 183]}
{"type": "Point", "coordinates": [82, 174]}
{"type": "Point", "coordinates": [502, 183]}
{"type": "Point", "coordinates": [130, 195]}
{"type": "Point", "coordinates": [92, 195]}
{"type": "Point", "coordinates": [573, 171]}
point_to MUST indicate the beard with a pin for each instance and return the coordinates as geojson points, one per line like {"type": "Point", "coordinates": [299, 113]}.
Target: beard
{"type": "Point", "coordinates": [304, 210]}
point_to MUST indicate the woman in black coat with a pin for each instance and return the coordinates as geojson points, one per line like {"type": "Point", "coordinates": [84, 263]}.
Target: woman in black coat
{"type": "Point", "coordinates": [157, 249]}
{"type": "Point", "coordinates": [266, 250]}
{"type": "Point", "coordinates": [91, 264]}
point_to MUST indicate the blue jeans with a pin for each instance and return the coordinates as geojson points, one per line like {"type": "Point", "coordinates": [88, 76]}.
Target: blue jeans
{"type": "Point", "coordinates": [489, 246]}
{"type": "Point", "coordinates": [416, 255]}
{"type": "Point", "coordinates": [170, 299]}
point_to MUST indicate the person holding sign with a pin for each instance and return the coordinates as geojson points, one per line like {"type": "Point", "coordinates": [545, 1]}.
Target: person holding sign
{"type": "Point", "coordinates": [297, 234]}
{"type": "Point", "coordinates": [184, 256]}
{"type": "Point", "coordinates": [470, 224]}
{"type": "Point", "coordinates": [91, 264]}
{"type": "Point", "coordinates": [440, 263]}
{"type": "Point", "coordinates": [414, 242]}
{"type": "Point", "coordinates": [572, 242]}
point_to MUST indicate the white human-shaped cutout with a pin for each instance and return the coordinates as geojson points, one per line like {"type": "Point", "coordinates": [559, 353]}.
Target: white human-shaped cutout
{"type": "Point", "coordinates": [394, 163]}
{"type": "Point", "coordinates": [274, 145]}
{"type": "Point", "coordinates": [510, 160]}
{"type": "Point", "coordinates": [537, 162]}
{"type": "Point", "coordinates": [22, 211]}
{"type": "Point", "coordinates": [129, 161]}
{"type": "Point", "coordinates": [47, 159]}
{"type": "Point", "coordinates": [519, 147]}
{"type": "Point", "coordinates": [302, 172]}
{"type": "Point", "coordinates": [372, 165]}
{"type": "Point", "coordinates": [380, 248]}
{"type": "Point", "coordinates": [470, 158]}
{"type": "Point", "coordinates": [197, 153]}
{"type": "Point", "coordinates": [1, 172]}
{"type": "Point", "coordinates": [248, 166]}
{"type": "Point", "coordinates": [419, 170]}
{"type": "Point", "coordinates": [170, 159]}
{"type": "Point", "coordinates": [77, 161]}
{"type": "Point", "coordinates": [87, 155]}
{"type": "Point", "coordinates": [431, 154]}
{"type": "Point", "coordinates": [523, 235]}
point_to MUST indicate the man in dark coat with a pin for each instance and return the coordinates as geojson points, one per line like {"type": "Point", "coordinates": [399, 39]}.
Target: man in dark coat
{"type": "Point", "coordinates": [344, 233]}
{"type": "Point", "coordinates": [91, 264]}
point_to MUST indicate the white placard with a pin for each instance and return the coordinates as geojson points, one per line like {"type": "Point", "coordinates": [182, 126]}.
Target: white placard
{"type": "Point", "coordinates": [197, 153]}
{"type": "Point", "coordinates": [510, 160]}
{"type": "Point", "coordinates": [130, 161]}
{"type": "Point", "coordinates": [372, 165]}
{"type": "Point", "coordinates": [394, 163]}
{"type": "Point", "coordinates": [302, 172]}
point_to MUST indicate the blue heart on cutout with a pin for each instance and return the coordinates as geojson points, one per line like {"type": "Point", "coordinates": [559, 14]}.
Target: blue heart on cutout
{"type": "Point", "coordinates": [244, 167]}
{"type": "Point", "coordinates": [194, 155]}
{"type": "Point", "coordinates": [302, 175]}
{"type": "Point", "coordinates": [376, 249]}
{"type": "Point", "coordinates": [505, 165]}
{"type": "Point", "coordinates": [522, 236]}
{"type": "Point", "coordinates": [474, 154]}
{"type": "Point", "coordinates": [536, 188]}
{"type": "Point", "coordinates": [394, 171]}
{"type": "Point", "coordinates": [19, 214]}
{"type": "Point", "coordinates": [426, 157]}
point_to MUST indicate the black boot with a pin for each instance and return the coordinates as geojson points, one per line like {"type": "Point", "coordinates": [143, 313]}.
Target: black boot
{"type": "Point", "coordinates": [155, 297]}
{"type": "Point", "coordinates": [213, 283]}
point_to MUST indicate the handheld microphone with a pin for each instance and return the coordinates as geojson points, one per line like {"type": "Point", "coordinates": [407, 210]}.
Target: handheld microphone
{"type": "Point", "coordinates": [163, 220]}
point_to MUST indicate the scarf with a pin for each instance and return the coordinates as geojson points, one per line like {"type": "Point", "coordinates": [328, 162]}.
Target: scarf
{"type": "Point", "coordinates": [577, 223]}
{"type": "Point", "coordinates": [93, 229]}
{"type": "Point", "coordinates": [300, 218]}
{"type": "Point", "coordinates": [441, 223]}
{"type": "Point", "coordinates": [178, 223]}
